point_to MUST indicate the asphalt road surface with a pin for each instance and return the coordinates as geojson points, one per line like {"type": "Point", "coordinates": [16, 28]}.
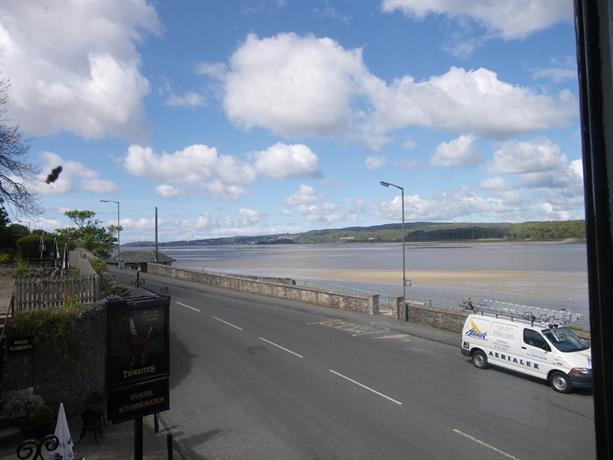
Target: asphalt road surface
{"type": "Point", "coordinates": [260, 378]}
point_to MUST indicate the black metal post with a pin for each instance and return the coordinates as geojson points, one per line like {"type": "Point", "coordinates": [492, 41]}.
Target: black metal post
{"type": "Point", "coordinates": [157, 254]}
{"type": "Point", "coordinates": [138, 438]}
{"type": "Point", "coordinates": [156, 423]}
{"type": "Point", "coordinates": [169, 445]}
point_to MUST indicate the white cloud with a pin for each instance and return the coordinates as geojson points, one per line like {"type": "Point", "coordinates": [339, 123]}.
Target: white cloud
{"type": "Point", "coordinates": [191, 166]}
{"type": "Point", "coordinates": [167, 190]}
{"type": "Point", "coordinates": [524, 157]}
{"type": "Point", "coordinates": [558, 70]}
{"type": "Point", "coordinates": [375, 162]}
{"type": "Point", "coordinates": [508, 20]}
{"type": "Point", "coordinates": [249, 216]}
{"type": "Point", "coordinates": [73, 66]}
{"type": "Point", "coordinates": [304, 195]}
{"type": "Point", "coordinates": [283, 161]}
{"type": "Point", "coordinates": [199, 168]}
{"type": "Point", "coordinates": [89, 179]}
{"type": "Point", "coordinates": [494, 183]}
{"type": "Point", "coordinates": [457, 152]}
{"type": "Point", "coordinates": [188, 99]}
{"type": "Point", "coordinates": [215, 70]}
{"type": "Point", "coordinates": [306, 86]}
{"type": "Point", "coordinates": [293, 85]}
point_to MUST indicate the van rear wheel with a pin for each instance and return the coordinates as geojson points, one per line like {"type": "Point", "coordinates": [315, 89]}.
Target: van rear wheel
{"type": "Point", "coordinates": [559, 382]}
{"type": "Point", "coordinates": [479, 359]}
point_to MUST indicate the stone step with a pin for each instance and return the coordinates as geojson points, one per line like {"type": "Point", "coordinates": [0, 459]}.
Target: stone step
{"type": "Point", "coordinates": [10, 436]}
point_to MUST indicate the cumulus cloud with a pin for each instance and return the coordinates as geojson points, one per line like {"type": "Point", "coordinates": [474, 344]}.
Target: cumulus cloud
{"type": "Point", "coordinates": [558, 70]}
{"type": "Point", "coordinates": [192, 166]}
{"type": "Point", "coordinates": [494, 183]}
{"type": "Point", "coordinates": [283, 161]}
{"type": "Point", "coordinates": [188, 99]}
{"type": "Point", "coordinates": [72, 173]}
{"type": "Point", "coordinates": [299, 86]}
{"type": "Point", "coordinates": [524, 157]}
{"type": "Point", "coordinates": [74, 66]}
{"type": "Point", "coordinates": [375, 162]}
{"type": "Point", "coordinates": [457, 152]}
{"type": "Point", "coordinates": [506, 20]}
{"type": "Point", "coordinates": [304, 195]}
{"type": "Point", "coordinates": [293, 85]}
{"type": "Point", "coordinates": [202, 168]}
{"type": "Point", "coordinates": [409, 144]}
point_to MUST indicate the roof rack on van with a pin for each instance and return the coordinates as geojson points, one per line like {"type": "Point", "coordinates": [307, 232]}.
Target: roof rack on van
{"type": "Point", "coordinates": [529, 313]}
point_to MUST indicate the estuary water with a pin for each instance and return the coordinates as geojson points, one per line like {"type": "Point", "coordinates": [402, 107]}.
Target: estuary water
{"type": "Point", "coordinates": [551, 275]}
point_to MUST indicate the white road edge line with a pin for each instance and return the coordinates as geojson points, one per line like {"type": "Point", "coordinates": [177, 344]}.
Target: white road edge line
{"type": "Point", "coordinates": [501, 452]}
{"type": "Point", "coordinates": [367, 388]}
{"type": "Point", "coordinates": [229, 324]}
{"type": "Point", "coordinates": [282, 348]}
{"type": "Point", "coordinates": [187, 306]}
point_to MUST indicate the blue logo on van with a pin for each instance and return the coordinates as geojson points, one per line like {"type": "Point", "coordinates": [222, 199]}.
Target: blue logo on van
{"type": "Point", "coordinates": [474, 331]}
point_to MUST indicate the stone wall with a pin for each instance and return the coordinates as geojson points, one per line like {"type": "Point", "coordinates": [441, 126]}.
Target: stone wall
{"type": "Point", "coordinates": [57, 379]}
{"type": "Point", "coordinates": [441, 319]}
{"type": "Point", "coordinates": [364, 304]}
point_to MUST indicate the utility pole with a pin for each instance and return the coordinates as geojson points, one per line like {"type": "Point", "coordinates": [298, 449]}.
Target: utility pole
{"type": "Point", "coordinates": [157, 254]}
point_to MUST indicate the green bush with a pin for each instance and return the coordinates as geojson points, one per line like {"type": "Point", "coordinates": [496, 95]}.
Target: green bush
{"type": "Point", "coordinates": [118, 289]}
{"type": "Point", "coordinates": [54, 329]}
{"type": "Point", "coordinates": [41, 420]}
{"type": "Point", "coordinates": [22, 406]}
{"type": "Point", "coordinates": [5, 258]}
{"type": "Point", "coordinates": [29, 246]}
{"type": "Point", "coordinates": [98, 265]}
{"type": "Point", "coordinates": [22, 268]}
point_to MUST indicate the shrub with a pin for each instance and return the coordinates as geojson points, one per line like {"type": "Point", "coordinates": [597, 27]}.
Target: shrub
{"type": "Point", "coordinates": [41, 421]}
{"type": "Point", "coordinates": [5, 258]}
{"type": "Point", "coordinates": [98, 265]}
{"type": "Point", "coordinates": [22, 268]}
{"type": "Point", "coordinates": [118, 289]}
{"type": "Point", "coordinates": [29, 246]}
{"type": "Point", "coordinates": [72, 305]}
{"type": "Point", "coordinates": [22, 406]}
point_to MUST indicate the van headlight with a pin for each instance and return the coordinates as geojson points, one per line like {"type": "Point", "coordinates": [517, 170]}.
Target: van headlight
{"type": "Point", "coordinates": [580, 371]}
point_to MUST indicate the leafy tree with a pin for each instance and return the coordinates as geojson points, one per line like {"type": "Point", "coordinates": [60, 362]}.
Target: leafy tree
{"type": "Point", "coordinates": [14, 168]}
{"type": "Point", "coordinates": [88, 233]}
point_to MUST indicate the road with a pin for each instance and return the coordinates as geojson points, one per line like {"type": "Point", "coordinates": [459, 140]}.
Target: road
{"type": "Point", "coordinates": [260, 378]}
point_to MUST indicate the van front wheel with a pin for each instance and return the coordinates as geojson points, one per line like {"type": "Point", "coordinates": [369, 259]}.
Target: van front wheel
{"type": "Point", "coordinates": [559, 382]}
{"type": "Point", "coordinates": [479, 359]}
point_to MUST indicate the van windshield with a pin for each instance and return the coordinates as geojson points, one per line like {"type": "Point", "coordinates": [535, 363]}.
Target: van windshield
{"type": "Point", "coordinates": [564, 339]}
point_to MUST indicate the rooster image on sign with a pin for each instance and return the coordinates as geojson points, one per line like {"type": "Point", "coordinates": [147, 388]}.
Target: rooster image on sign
{"type": "Point", "coordinates": [139, 338]}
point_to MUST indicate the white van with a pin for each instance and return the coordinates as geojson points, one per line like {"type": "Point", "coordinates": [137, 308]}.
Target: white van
{"type": "Point", "coordinates": [547, 351]}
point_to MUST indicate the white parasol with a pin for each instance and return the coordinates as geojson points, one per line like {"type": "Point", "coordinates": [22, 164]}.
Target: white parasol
{"type": "Point", "coordinates": [63, 434]}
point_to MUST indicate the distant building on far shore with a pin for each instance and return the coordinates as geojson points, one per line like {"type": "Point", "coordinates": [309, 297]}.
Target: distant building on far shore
{"type": "Point", "coordinates": [140, 259]}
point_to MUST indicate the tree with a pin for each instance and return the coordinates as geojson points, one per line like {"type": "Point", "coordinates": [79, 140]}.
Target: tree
{"type": "Point", "coordinates": [15, 171]}
{"type": "Point", "coordinates": [88, 233]}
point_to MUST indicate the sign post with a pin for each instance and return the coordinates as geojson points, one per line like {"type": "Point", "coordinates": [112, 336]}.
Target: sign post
{"type": "Point", "coordinates": [137, 363]}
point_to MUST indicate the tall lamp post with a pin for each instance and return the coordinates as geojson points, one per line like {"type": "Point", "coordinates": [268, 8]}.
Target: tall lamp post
{"type": "Point", "coordinates": [404, 274]}
{"type": "Point", "coordinates": [118, 231]}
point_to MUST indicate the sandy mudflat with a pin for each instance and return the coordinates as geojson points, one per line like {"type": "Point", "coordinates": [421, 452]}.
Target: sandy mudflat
{"type": "Point", "coordinates": [427, 277]}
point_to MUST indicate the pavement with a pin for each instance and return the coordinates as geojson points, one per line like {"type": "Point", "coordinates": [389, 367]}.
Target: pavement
{"type": "Point", "coordinates": [263, 378]}
{"type": "Point", "coordinates": [117, 442]}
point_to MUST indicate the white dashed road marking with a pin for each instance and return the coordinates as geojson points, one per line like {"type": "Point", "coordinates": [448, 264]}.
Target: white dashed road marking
{"type": "Point", "coordinates": [366, 387]}
{"type": "Point", "coordinates": [501, 452]}
{"type": "Point", "coordinates": [187, 306]}
{"type": "Point", "coordinates": [226, 322]}
{"type": "Point", "coordinates": [282, 348]}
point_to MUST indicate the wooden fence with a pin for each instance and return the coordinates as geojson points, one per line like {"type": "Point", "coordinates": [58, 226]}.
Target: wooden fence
{"type": "Point", "coordinates": [39, 293]}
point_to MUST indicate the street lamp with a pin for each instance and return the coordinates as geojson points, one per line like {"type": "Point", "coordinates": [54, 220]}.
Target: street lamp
{"type": "Point", "coordinates": [404, 275]}
{"type": "Point", "coordinates": [118, 231]}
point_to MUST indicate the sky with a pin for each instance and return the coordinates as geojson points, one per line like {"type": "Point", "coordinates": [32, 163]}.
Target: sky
{"type": "Point", "coordinates": [260, 117]}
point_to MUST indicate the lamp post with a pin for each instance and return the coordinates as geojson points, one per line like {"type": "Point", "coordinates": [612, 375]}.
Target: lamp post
{"type": "Point", "coordinates": [404, 274]}
{"type": "Point", "coordinates": [118, 231]}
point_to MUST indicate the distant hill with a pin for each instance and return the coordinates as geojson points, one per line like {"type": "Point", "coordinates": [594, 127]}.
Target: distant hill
{"type": "Point", "coordinates": [414, 232]}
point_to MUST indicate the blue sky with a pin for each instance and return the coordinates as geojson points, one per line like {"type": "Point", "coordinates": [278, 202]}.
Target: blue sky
{"type": "Point", "coordinates": [244, 117]}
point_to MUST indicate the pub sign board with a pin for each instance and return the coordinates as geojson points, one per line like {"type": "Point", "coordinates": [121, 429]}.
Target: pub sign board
{"type": "Point", "coordinates": [137, 359]}
{"type": "Point", "coordinates": [132, 401]}
{"type": "Point", "coordinates": [137, 342]}
{"type": "Point", "coordinates": [19, 344]}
